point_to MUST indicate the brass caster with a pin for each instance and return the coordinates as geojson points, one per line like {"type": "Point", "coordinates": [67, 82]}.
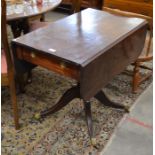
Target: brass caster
{"type": "Point", "coordinates": [127, 108]}
{"type": "Point", "coordinates": [37, 116]}
{"type": "Point", "coordinates": [93, 141]}
{"type": "Point", "coordinates": [29, 80]}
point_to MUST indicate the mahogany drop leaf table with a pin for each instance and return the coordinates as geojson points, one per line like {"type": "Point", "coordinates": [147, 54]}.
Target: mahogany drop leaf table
{"type": "Point", "coordinates": [91, 47]}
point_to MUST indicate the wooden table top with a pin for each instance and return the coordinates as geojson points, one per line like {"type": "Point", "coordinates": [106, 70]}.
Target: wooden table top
{"type": "Point", "coordinates": [27, 9]}
{"type": "Point", "coordinates": [81, 37]}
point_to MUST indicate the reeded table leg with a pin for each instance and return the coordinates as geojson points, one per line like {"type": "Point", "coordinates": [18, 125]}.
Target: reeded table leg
{"type": "Point", "coordinates": [106, 101]}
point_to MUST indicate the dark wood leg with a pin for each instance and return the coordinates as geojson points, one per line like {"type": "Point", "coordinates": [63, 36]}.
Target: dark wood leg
{"type": "Point", "coordinates": [14, 100]}
{"type": "Point", "coordinates": [21, 82]}
{"type": "Point", "coordinates": [68, 96]}
{"type": "Point", "coordinates": [19, 26]}
{"type": "Point", "coordinates": [25, 26]}
{"type": "Point", "coordinates": [106, 101]}
{"type": "Point", "coordinates": [29, 76]}
{"type": "Point", "coordinates": [136, 77]}
{"type": "Point", "coordinates": [42, 19]}
{"type": "Point", "coordinates": [26, 29]}
{"type": "Point", "coordinates": [16, 30]}
{"type": "Point", "coordinates": [87, 108]}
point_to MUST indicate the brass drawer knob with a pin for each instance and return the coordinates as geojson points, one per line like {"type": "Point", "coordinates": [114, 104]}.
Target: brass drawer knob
{"type": "Point", "coordinates": [33, 55]}
{"type": "Point", "coordinates": [62, 65]}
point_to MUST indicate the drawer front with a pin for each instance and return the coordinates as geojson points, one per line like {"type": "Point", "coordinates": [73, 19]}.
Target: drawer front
{"type": "Point", "coordinates": [86, 3]}
{"type": "Point", "coordinates": [49, 62]}
{"type": "Point", "coordinates": [141, 1]}
{"type": "Point", "coordinates": [141, 8]}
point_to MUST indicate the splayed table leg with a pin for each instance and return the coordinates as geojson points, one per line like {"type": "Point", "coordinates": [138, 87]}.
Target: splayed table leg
{"type": "Point", "coordinates": [100, 96]}
{"type": "Point", "coordinates": [68, 96]}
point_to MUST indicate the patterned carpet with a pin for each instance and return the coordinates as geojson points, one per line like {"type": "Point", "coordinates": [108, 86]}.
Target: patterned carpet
{"type": "Point", "coordinates": [64, 132]}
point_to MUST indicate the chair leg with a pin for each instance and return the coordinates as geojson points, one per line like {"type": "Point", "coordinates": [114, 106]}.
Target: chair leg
{"type": "Point", "coordinates": [42, 19]}
{"type": "Point", "coordinates": [136, 77]}
{"type": "Point", "coordinates": [14, 101]}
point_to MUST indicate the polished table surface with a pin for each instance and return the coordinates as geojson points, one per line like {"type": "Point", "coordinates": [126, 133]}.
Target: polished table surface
{"type": "Point", "coordinates": [81, 37]}
{"type": "Point", "coordinates": [27, 9]}
{"type": "Point", "coordinates": [91, 46]}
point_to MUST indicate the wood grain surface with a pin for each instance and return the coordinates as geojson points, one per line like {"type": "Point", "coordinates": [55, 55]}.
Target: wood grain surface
{"type": "Point", "coordinates": [92, 45]}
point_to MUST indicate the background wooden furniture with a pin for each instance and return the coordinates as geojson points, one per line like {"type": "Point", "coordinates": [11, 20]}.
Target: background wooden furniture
{"type": "Point", "coordinates": [66, 5]}
{"type": "Point", "coordinates": [7, 66]}
{"type": "Point", "coordinates": [19, 21]}
{"type": "Point", "coordinates": [91, 65]}
{"type": "Point", "coordinates": [86, 3]}
{"type": "Point", "coordinates": [144, 7]}
{"type": "Point", "coordinates": [33, 25]}
{"type": "Point", "coordinates": [147, 54]}
{"type": "Point", "coordinates": [76, 5]}
{"type": "Point", "coordinates": [31, 10]}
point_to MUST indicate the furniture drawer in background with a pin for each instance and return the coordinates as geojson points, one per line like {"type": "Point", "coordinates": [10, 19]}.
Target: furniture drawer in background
{"type": "Point", "coordinates": [142, 1]}
{"type": "Point", "coordinates": [86, 3]}
{"type": "Point", "coordinates": [131, 6]}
